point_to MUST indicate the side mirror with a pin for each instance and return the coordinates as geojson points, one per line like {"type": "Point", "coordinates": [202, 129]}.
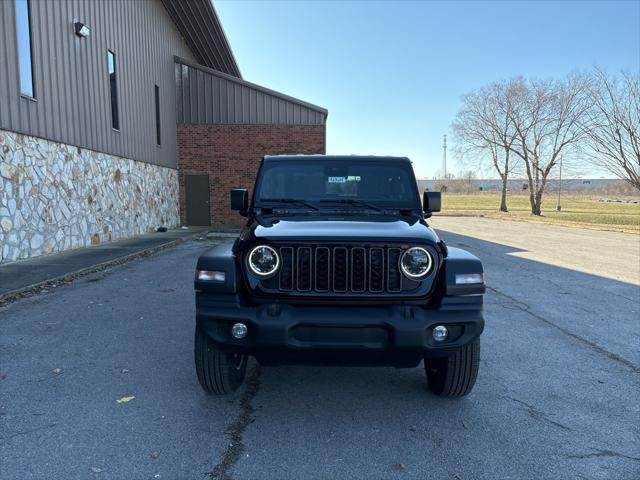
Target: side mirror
{"type": "Point", "coordinates": [431, 202]}
{"type": "Point", "coordinates": [239, 199]}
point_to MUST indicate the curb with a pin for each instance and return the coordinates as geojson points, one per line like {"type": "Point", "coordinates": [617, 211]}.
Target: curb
{"type": "Point", "coordinates": [39, 287]}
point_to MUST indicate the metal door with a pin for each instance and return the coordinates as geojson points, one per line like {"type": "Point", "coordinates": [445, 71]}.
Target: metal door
{"type": "Point", "coordinates": [197, 200]}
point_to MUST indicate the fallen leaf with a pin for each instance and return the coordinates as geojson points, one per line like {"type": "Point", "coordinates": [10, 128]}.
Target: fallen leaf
{"type": "Point", "coordinates": [125, 399]}
{"type": "Point", "coordinates": [57, 370]}
{"type": "Point", "coordinates": [96, 469]}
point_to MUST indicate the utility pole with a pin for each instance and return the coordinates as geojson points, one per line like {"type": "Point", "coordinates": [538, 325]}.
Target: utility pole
{"type": "Point", "coordinates": [444, 156]}
{"type": "Point", "coordinates": [558, 206]}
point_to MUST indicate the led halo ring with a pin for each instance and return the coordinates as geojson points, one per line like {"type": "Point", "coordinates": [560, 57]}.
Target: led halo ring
{"type": "Point", "coordinates": [263, 274]}
{"type": "Point", "coordinates": [422, 275]}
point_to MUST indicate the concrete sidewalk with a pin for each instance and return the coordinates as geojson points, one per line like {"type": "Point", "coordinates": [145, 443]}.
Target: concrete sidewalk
{"type": "Point", "coordinates": [20, 276]}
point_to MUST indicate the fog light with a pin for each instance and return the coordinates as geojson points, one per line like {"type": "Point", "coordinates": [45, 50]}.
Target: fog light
{"type": "Point", "coordinates": [239, 330]}
{"type": "Point", "coordinates": [440, 333]}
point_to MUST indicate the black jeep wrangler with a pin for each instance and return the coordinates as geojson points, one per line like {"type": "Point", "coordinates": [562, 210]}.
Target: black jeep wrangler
{"type": "Point", "coordinates": [336, 265]}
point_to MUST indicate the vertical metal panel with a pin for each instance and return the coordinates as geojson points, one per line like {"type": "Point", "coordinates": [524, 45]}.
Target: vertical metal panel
{"type": "Point", "coordinates": [178, 87]}
{"type": "Point", "coordinates": [205, 96]}
{"type": "Point", "coordinates": [260, 107]}
{"type": "Point", "coordinates": [186, 97]}
{"type": "Point", "coordinates": [217, 96]}
{"type": "Point", "coordinates": [199, 103]}
{"type": "Point", "coordinates": [72, 98]}
{"type": "Point", "coordinates": [237, 103]}
{"type": "Point", "coordinates": [244, 104]}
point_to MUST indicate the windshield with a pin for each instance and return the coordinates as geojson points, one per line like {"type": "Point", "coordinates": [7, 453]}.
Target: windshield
{"type": "Point", "coordinates": [376, 183]}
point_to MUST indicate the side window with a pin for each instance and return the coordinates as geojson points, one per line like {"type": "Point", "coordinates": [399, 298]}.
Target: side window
{"type": "Point", "coordinates": [23, 31]}
{"type": "Point", "coordinates": [113, 90]}
{"type": "Point", "coordinates": [157, 99]}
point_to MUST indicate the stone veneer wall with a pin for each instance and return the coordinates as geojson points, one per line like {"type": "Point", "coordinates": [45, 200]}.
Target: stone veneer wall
{"type": "Point", "coordinates": [54, 197]}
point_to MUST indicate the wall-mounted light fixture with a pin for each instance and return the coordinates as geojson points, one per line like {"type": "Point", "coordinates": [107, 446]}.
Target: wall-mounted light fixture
{"type": "Point", "coordinates": [81, 29]}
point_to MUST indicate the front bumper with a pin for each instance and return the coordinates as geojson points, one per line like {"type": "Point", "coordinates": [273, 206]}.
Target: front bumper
{"type": "Point", "coordinates": [395, 335]}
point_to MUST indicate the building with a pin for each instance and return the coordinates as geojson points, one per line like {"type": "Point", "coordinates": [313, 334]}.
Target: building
{"type": "Point", "coordinates": [521, 185]}
{"type": "Point", "coordinates": [119, 116]}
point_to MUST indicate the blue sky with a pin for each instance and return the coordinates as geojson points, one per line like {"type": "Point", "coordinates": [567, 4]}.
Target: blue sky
{"type": "Point", "coordinates": [391, 73]}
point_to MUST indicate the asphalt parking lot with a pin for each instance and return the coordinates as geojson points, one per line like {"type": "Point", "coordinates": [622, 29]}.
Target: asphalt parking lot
{"type": "Point", "coordinates": [97, 379]}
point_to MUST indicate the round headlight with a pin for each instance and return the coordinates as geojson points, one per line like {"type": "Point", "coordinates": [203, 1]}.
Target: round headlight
{"type": "Point", "coordinates": [416, 263]}
{"type": "Point", "coordinates": [263, 261]}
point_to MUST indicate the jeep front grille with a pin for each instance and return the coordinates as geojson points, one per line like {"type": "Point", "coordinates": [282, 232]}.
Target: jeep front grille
{"type": "Point", "coordinates": [339, 269]}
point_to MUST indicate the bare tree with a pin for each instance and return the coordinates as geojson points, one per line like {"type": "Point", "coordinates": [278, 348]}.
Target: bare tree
{"type": "Point", "coordinates": [612, 125]}
{"type": "Point", "coordinates": [547, 118]}
{"type": "Point", "coordinates": [484, 128]}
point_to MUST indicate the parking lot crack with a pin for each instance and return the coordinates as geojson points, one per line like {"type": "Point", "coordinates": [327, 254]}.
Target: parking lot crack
{"type": "Point", "coordinates": [236, 430]}
{"type": "Point", "coordinates": [536, 414]}
{"type": "Point", "coordinates": [592, 345]}
{"type": "Point", "coordinates": [605, 454]}
{"type": "Point", "coordinates": [26, 432]}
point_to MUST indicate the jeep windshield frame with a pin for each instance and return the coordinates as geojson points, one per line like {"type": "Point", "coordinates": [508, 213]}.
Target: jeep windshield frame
{"type": "Point", "coordinates": [345, 183]}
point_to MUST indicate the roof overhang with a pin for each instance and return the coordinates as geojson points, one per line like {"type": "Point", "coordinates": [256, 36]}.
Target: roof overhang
{"type": "Point", "coordinates": [200, 26]}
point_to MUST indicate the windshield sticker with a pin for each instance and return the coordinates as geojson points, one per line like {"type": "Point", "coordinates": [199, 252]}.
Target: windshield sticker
{"type": "Point", "coordinates": [350, 178]}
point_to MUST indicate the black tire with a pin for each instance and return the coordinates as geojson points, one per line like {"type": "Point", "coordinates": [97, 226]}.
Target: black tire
{"type": "Point", "coordinates": [454, 376]}
{"type": "Point", "coordinates": [219, 373]}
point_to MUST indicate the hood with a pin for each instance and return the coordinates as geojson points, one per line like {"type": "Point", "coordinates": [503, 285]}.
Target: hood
{"type": "Point", "coordinates": [387, 230]}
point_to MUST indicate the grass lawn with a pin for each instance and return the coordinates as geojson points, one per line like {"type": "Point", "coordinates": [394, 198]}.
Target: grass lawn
{"type": "Point", "coordinates": [576, 210]}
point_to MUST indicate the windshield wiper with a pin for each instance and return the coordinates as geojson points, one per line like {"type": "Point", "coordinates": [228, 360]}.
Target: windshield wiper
{"type": "Point", "coordinates": [351, 201]}
{"type": "Point", "coordinates": [296, 201]}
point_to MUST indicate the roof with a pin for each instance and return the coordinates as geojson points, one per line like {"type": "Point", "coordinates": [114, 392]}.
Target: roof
{"type": "Point", "coordinates": [201, 29]}
{"type": "Point", "coordinates": [341, 158]}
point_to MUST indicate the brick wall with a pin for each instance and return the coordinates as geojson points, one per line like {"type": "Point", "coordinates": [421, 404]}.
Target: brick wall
{"type": "Point", "coordinates": [230, 154]}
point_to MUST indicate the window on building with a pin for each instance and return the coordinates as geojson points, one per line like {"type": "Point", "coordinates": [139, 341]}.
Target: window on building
{"type": "Point", "coordinates": [157, 96]}
{"type": "Point", "coordinates": [113, 88]}
{"type": "Point", "coordinates": [23, 31]}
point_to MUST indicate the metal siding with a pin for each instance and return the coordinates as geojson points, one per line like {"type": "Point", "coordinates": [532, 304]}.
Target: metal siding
{"type": "Point", "coordinates": [245, 104]}
{"type": "Point", "coordinates": [178, 90]}
{"type": "Point", "coordinates": [70, 76]}
{"type": "Point", "coordinates": [237, 103]}
{"type": "Point", "coordinates": [217, 98]}
{"type": "Point", "coordinates": [260, 110]}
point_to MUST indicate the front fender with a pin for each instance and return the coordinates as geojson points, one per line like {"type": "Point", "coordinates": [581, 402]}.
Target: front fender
{"type": "Point", "coordinates": [221, 259]}
{"type": "Point", "coordinates": [460, 262]}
